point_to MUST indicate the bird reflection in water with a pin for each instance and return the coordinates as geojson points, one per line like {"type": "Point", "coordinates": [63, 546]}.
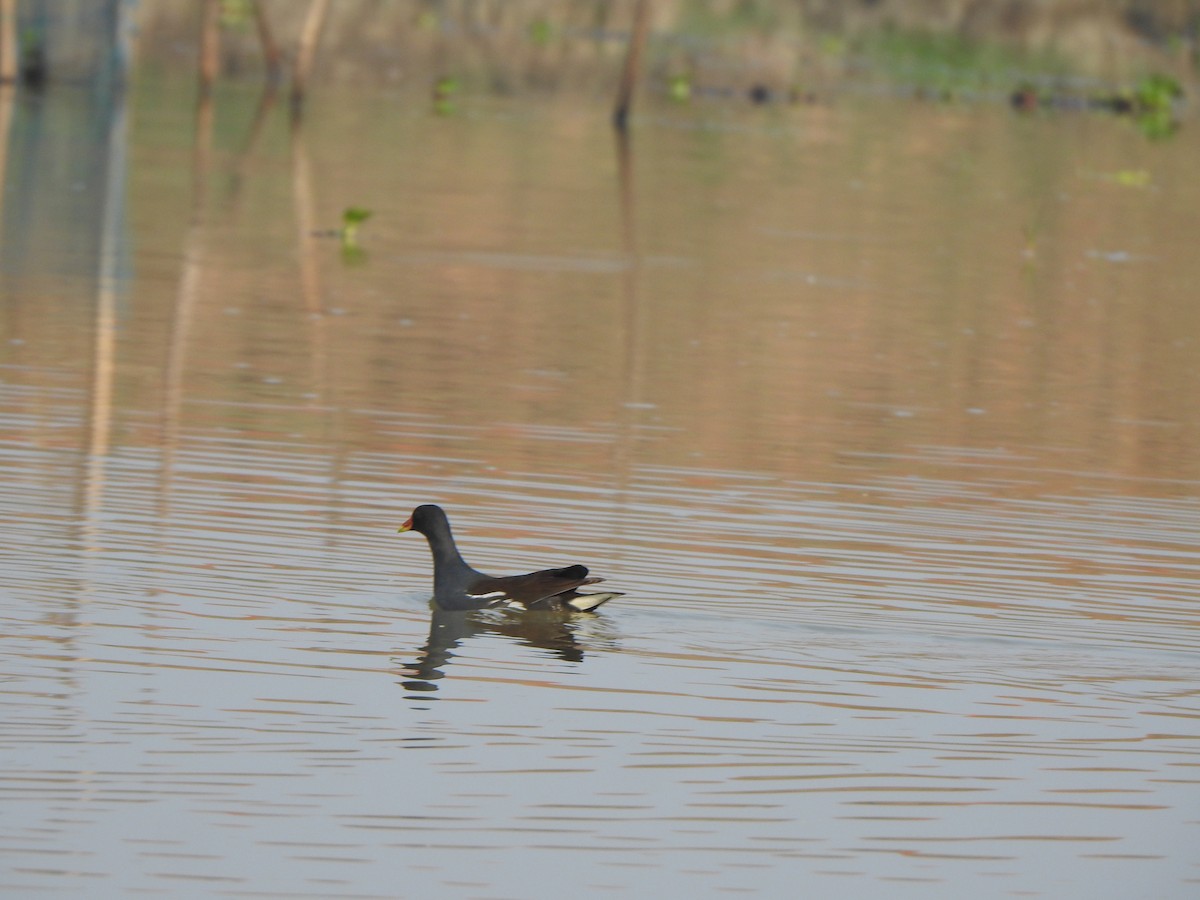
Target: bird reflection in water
{"type": "Point", "coordinates": [552, 630]}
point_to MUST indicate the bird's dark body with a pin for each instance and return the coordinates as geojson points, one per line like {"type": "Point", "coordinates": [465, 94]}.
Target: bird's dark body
{"type": "Point", "coordinates": [457, 586]}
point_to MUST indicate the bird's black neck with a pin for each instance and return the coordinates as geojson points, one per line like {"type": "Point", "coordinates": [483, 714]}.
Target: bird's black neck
{"type": "Point", "coordinates": [450, 570]}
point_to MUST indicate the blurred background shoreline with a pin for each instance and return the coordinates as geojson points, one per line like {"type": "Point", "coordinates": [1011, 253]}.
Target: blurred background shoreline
{"type": "Point", "coordinates": [785, 49]}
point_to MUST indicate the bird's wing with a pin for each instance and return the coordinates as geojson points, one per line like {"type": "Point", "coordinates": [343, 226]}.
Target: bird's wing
{"type": "Point", "coordinates": [529, 589]}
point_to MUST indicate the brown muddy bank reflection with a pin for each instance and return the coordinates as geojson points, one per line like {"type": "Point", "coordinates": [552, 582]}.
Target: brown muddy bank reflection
{"type": "Point", "coordinates": [806, 295]}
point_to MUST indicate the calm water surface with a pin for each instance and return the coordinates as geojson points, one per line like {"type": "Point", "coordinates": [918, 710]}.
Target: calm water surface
{"type": "Point", "coordinates": [884, 416]}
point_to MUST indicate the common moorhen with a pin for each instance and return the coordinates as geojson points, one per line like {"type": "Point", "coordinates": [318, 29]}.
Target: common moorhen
{"type": "Point", "coordinates": [457, 586]}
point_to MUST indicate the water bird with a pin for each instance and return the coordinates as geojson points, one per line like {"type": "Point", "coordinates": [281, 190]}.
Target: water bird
{"type": "Point", "coordinates": [457, 586]}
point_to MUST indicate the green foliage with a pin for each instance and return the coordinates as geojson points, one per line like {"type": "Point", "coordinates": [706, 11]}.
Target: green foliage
{"type": "Point", "coordinates": [833, 45]}
{"type": "Point", "coordinates": [30, 41]}
{"type": "Point", "coordinates": [741, 17]}
{"type": "Point", "coordinates": [1157, 91]}
{"type": "Point", "coordinates": [444, 90]}
{"type": "Point", "coordinates": [1151, 103]}
{"type": "Point", "coordinates": [541, 32]}
{"type": "Point", "coordinates": [679, 88]}
{"type": "Point", "coordinates": [948, 64]}
{"type": "Point", "coordinates": [236, 14]}
{"type": "Point", "coordinates": [753, 15]}
{"type": "Point", "coordinates": [1154, 99]}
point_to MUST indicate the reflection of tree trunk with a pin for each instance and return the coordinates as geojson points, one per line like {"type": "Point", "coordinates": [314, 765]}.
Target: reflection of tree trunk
{"type": "Point", "coordinates": [632, 322]}
{"type": "Point", "coordinates": [189, 285]}
{"type": "Point", "coordinates": [266, 103]}
{"type": "Point", "coordinates": [104, 353]}
{"type": "Point", "coordinates": [307, 248]}
{"type": "Point", "coordinates": [633, 328]}
{"type": "Point", "coordinates": [306, 220]}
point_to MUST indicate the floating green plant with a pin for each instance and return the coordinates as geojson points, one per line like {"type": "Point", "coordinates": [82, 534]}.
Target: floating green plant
{"type": "Point", "coordinates": [679, 88]}
{"type": "Point", "coordinates": [1135, 178]}
{"type": "Point", "coordinates": [541, 32]}
{"type": "Point", "coordinates": [1157, 125]}
{"type": "Point", "coordinates": [1157, 91]}
{"type": "Point", "coordinates": [444, 90]}
{"type": "Point", "coordinates": [352, 218]}
{"type": "Point", "coordinates": [1150, 102]}
{"type": "Point", "coordinates": [1154, 99]}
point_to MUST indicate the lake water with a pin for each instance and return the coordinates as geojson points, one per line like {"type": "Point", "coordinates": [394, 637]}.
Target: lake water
{"type": "Point", "coordinates": [883, 415]}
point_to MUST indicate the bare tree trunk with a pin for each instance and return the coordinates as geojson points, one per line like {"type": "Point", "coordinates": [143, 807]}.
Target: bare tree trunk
{"type": "Point", "coordinates": [210, 44]}
{"type": "Point", "coordinates": [8, 41]}
{"type": "Point", "coordinates": [307, 49]}
{"type": "Point", "coordinates": [272, 55]}
{"type": "Point", "coordinates": [633, 64]}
